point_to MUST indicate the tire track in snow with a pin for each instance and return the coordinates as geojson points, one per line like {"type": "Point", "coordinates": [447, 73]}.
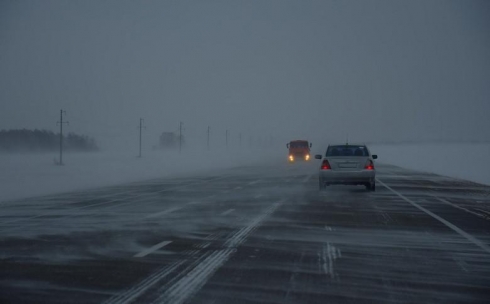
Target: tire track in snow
{"type": "Point", "coordinates": [132, 295]}
{"type": "Point", "coordinates": [191, 282]}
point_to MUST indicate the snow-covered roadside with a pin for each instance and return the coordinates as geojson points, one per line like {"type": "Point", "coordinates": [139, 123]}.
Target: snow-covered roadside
{"type": "Point", "coordinates": [469, 161]}
{"type": "Point", "coordinates": [27, 175]}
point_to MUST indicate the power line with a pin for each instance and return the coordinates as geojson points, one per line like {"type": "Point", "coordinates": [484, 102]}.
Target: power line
{"type": "Point", "coordinates": [180, 137]}
{"type": "Point", "coordinates": [61, 122]}
{"type": "Point", "coordinates": [208, 137]}
{"type": "Point", "coordinates": [141, 128]}
{"type": "Point", "coordinates": [226, 140]}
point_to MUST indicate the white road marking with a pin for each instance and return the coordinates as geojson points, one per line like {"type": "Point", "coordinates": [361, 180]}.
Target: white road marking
{"type": "Point", "coordinates": [328, 256]}
{"type": "Point", "coordinates": [152, 249]}
{"type": "Point", "coordinates": [131, 295]}
{"type": "Point", "coordinates": [307, 178]}
{"type": "Point", "coordinates": [440, 219]}
{"type": "Point", "coordinates": [165, 212]}
{"type": "Point", "coordinates": [181, 290]}
{"type": "Point", "coordinates": [484, 211]}
{"type": "Point", "coordinates": [238, 188]}
{"type": "Point", "coordinates": [170, 210]}
{"type": "Point", "coordinates": [461, 208]}
{"type": "Point", "coordinates": [254, 182]}
{"type": "Point", "coordinates": [258, 196]}
{"type": "Point", "coordinates": [227, 212]}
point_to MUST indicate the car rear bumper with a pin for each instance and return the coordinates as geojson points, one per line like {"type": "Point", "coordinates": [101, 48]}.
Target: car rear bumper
{"type": "Point", "coordinates": [347, 177]}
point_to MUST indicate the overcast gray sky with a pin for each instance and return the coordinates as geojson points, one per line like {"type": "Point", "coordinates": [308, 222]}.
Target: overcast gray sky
{"type": "Point", "coordinates": [378, 70]}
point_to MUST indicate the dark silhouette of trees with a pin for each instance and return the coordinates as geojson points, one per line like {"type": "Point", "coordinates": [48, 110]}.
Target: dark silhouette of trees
{"type": "Point", "coordinates": [43, 141]}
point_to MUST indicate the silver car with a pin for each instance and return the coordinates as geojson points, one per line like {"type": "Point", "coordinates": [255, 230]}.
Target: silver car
{"type": "Point", "coordinates": [347, 165]}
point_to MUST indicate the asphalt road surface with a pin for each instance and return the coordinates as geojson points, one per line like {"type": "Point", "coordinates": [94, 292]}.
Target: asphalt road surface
{"type": "Point", "coordinates": [261, 234]}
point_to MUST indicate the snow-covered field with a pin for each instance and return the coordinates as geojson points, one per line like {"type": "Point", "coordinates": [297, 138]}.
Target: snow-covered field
{"type": "Point", "coordinates": [26, 175]}
{"type": "Point", "coordinates": [469, 161]}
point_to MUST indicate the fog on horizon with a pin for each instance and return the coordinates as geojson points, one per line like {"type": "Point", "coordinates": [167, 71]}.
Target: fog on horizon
{"type": "Point", "coordinates": [268, 70]}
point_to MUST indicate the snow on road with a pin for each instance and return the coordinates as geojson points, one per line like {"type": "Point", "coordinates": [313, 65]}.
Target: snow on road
{"type": "Point", "coordinates": [27, 175]}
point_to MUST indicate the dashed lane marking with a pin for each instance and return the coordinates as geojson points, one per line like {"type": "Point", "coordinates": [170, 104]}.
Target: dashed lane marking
{"type": "Point", "coordinates": [170, 210]}
{"type": "Point", "coordinates": [152, 249]}
{"type": "Point", "coordinates": [164, 212]}
{"type": "Point", "coordinates": [307, 178]}
{"type": "Point", "coordinates": [227, 212]}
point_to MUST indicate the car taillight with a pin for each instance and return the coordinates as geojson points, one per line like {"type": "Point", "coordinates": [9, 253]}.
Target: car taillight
{"type": "Point", "coordinates": [325, 165]}
{"type": "Point", "coordinates": [369, 165]}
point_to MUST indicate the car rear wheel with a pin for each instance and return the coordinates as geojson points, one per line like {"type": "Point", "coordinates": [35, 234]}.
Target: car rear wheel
{"type": "Point", "coordinates": [371, 186]}
{"type": "Point", "coordinates": [321, 185]}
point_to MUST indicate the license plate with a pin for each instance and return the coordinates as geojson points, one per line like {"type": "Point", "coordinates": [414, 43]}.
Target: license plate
{"type": "Point", "coordinates": [348, 165]}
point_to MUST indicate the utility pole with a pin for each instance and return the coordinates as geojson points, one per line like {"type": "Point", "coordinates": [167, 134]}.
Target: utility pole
{"type": "Point", "coordinates": [208, 137]}
{"type": "Point", "coordinates": [226, 139]}
{"type": "Point", "coordinates": [180, 137]}
{"type": "Point", "coordinates": [61, 122]}
{"type": "Point", "coordinates": [141, 127]}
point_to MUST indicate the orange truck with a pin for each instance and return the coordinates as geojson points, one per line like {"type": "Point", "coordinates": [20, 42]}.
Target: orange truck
{"type": "Point", "coordinates": [298, 150]}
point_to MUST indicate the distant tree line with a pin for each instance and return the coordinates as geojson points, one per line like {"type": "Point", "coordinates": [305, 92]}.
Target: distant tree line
{"type": "Point", "coordinates": [43, 141]}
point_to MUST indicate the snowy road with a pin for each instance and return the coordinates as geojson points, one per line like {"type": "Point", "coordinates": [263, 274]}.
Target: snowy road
{"type": "Point", "coordinates": [251, 235]}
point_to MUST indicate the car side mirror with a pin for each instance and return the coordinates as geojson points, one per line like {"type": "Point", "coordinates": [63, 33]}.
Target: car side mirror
{"type": "Point", "coordinates": [311, 145]}
{"type": "Point", "coordinates": [318, 156]}
{"type": "Point", "coordinates": [375, 156]}
{"type": "Point", "coordinates": [287, 146]}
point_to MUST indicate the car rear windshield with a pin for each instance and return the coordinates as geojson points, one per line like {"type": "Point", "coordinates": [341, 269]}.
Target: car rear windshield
{"type": "Point", "coordinates": [347, 151]}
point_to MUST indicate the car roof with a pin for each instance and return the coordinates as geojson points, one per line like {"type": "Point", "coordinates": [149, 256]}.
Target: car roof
{"type": "Point", "coordinates": [350, 144]}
